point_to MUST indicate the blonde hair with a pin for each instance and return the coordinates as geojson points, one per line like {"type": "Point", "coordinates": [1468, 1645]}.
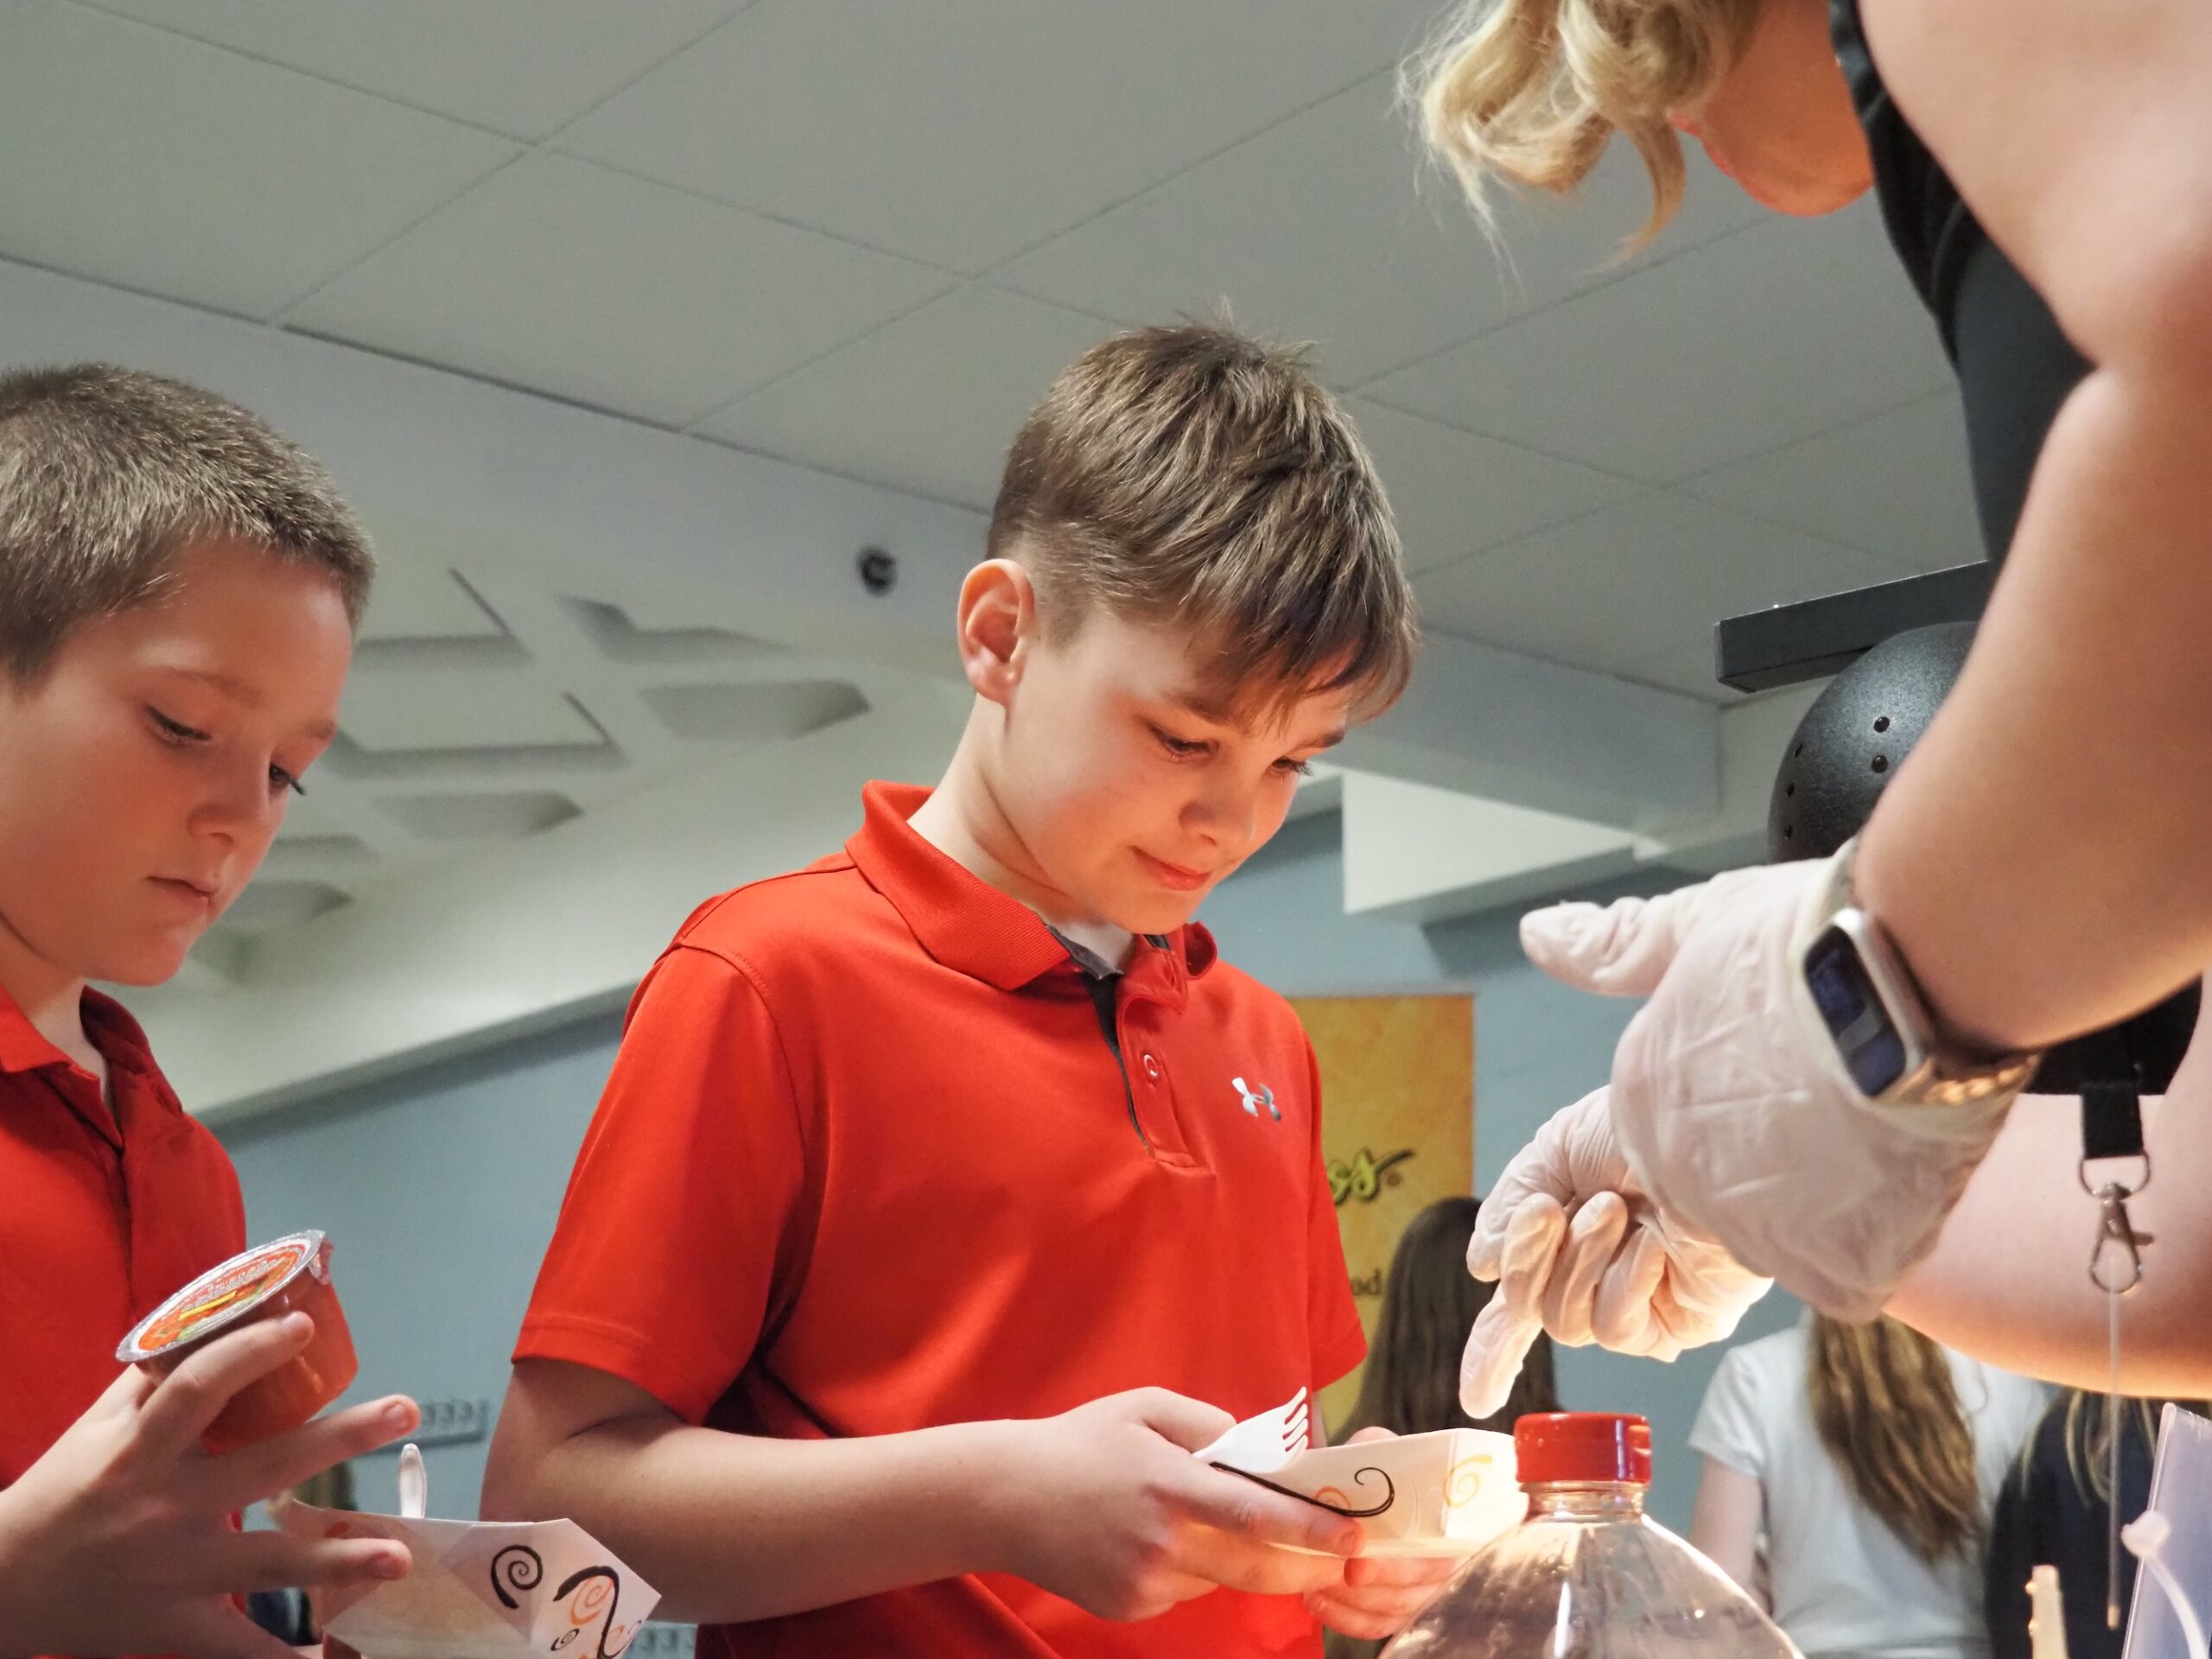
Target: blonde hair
{"type": "Point", "coordinates": [1193, 473]}
{"type": "Point", "coordinates": [1887, 1411]}
{"type": "Point", "coordinates": [1534, 90]}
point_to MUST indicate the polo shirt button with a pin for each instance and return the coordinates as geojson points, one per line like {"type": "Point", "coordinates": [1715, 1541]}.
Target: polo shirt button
{"type": "Point", "coordinates": [1152, 1068]}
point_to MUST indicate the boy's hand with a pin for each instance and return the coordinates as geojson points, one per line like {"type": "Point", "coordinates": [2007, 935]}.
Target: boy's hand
{"type": "Point", "coordinates": [119, 1540]}
{"type": "Point", "coordinates": [1380, 1594]}
{"type": "Point", "coordinates": [1109, 1509]}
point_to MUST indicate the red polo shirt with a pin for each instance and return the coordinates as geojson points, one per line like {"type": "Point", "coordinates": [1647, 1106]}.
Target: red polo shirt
{"type": "Point", "coordinates": [870, 1161]}
{"type": "Point", "coordinates": [105, 1213]}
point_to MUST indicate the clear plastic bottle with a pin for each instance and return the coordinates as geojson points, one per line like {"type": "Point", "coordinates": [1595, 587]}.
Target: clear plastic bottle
{"type": "Point", "coordinates": [1585, 1576]}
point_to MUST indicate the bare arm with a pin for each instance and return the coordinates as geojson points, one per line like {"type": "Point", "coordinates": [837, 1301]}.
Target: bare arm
{"type": "Point", "coordinates": [2042, 860]}
{"type": "Point", "coordinates": [2009, 1280]}
{"type": "Point", "coordinates": [1103, 1504]}
{"type": "Point", "coordinates": [1725, 1525]}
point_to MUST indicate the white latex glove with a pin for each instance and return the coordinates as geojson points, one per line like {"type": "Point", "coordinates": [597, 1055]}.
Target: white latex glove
{"type": "Point", "coordinates": [1578, 1250]}
{"type": "Point", "coordinates": [1731, 1104]}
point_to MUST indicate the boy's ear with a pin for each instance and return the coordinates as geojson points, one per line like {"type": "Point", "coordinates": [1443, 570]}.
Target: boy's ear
{"type": "Point", "coordinates": [997, 620]}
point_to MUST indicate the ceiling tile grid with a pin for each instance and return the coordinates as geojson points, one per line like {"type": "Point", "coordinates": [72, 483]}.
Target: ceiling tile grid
{"type": "Point", "coordinates": [150, 161]}
{"type": "Point", "coordinates": [563, 277]}
{"type": "Point", "coordinates": [1760, 338]}
{"type": "Point", "coordinates": [1635, 589]}
{"type": "Point", "coordinates": [927, 404]}
{"type": "Point", "coordinates": [960, 132]}
{"type": "Point", "coordinates": [525, 68]}
{"type": "Point", "coordinates": [863, 235]}
{"type": "Point", "coordinates": [1331, 227]}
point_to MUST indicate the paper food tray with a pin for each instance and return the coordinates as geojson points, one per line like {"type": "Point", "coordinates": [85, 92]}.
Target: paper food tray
{"type": "Point", "coordinates": [1446, 1493]}
{"type": "Point", "coordinates": [483, 1590]}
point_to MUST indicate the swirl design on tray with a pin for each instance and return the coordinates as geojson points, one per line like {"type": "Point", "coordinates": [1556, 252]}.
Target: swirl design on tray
{"type": "Point", "coordinates": [1465, 1481]}
{"type": "Point", "coordinates": [586, 1592]}
{"type": "Point", "coordinates": [524, 1572]}
{"type": "Point", "coordinates": [1329, 1497]}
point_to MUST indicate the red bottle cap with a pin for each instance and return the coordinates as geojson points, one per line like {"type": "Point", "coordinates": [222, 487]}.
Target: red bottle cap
{"type": "Point", "coordinates": [1582, 1445]}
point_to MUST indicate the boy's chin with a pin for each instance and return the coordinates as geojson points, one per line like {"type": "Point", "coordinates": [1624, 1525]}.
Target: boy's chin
{"type": "Point", "coordinates": [143, 962]}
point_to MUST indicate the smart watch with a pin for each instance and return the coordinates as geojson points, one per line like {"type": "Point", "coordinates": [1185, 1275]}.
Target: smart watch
{"type": "Point", "coordinates": [1872, 1009]}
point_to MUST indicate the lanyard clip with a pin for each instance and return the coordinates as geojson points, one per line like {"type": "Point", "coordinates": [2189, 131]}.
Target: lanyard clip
{"type": "Point", "coordinates": [2116, 1264]}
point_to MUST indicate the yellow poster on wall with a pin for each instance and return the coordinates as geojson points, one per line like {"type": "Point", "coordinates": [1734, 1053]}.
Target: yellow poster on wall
{"type": "Point", "coordinates": [1397, 1125]}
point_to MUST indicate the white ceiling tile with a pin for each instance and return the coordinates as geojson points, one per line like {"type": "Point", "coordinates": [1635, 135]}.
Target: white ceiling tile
{"type": "Point", "coordinates": [961, 131]}
{"type": "Point", "coordinates": [1635, 589]}
{"type": "Point", "coordinates": [141, 159]}
{"type": "Point", "coordinates": [1454, 492]}
{"type": "Point", "coordinates": [1331, 228]}
{"type": "Point", "coordinates": [523, 67]}
{"type": "Point", "coordinates": [1896, 484]}
{"type": "Point", "coordinates": [592, 285]}
{"type": "Point", "coordinates": [388, 712]}
{"type": "Point", "coordinates": [1764, 336]}
{"type": "Point", "coordinates": [928, 404]}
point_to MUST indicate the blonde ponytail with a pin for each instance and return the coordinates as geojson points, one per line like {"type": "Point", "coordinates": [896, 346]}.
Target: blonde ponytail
{"type": "Point", "coordinates": [1536, 89]}
{"type": "Point", "coordinates": [1888, 1414]}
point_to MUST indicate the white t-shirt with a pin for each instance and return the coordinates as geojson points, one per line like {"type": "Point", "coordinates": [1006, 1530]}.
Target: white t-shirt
{"type": "Point", "coordinates": [1843, 1582]}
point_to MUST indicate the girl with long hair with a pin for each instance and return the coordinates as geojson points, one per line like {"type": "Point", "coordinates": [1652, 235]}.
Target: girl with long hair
{"type": "Point", "coordinates": [1411, 1383]}
{"type": "Point", "coordinates": [2055, 1510]}
{"type": "Point", "coordinates": [1870, 1457]}
{"type": "Point", "coordinates": [1429, 1304]}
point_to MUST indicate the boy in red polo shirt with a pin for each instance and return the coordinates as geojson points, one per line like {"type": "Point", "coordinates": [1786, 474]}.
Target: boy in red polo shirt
{"type": "Point", "coordinates": [948, 1194]}
{"type": "Point", "coordinates": [178, 591]}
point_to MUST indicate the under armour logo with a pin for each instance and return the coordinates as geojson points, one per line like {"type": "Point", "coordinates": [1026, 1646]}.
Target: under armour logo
{"type": "Point", "coordinates": [1256, 1096]}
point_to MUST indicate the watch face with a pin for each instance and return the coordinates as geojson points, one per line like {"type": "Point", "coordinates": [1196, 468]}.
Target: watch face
{"type": "Point", "coordinates": [1872, 1051]}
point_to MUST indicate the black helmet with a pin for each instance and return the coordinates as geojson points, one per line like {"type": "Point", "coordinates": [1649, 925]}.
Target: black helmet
{"type": "Point", "coordinates": [1843, 755]}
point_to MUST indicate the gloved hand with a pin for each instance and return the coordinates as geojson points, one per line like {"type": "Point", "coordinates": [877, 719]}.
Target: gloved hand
{"type": "Point", "coordinates": [1731, 1104]}
{"type": "Point", "coordinates": [1578, 1250]}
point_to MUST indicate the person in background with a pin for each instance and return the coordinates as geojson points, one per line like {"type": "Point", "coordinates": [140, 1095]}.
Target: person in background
{"type": "Point", "coordinates": [2056, 1510]}
{"type": "Point", "coordinates": [1411, 1385]}
{"type": "Point", "coordinates": [1870, 1457]}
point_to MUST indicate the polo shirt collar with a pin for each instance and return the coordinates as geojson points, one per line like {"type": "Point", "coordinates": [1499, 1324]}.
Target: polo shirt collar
{"type": "Point", "coordinates": [23, 1047]}
{"type": "Point", "coordinates": [967, 924]}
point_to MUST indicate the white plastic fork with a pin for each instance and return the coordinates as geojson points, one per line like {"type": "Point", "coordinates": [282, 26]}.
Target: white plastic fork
{"type": "Point", "coordinates": [1262, 1445]}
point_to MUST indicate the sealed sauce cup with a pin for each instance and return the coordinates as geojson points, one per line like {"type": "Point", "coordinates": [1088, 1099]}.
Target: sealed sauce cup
{"type": "Point", "coordinates": [292, 1274]}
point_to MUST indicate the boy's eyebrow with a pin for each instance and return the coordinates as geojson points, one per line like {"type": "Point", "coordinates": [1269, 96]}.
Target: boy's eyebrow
{"type": "Point", "coordinates": [238, 691]}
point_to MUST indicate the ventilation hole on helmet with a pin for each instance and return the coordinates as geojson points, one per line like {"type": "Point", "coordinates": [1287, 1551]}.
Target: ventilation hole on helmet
{"type": "Point", "coordinates": [1789, 790]}
{"type": "Point", "coordinates": [1881, 722]}
{"type": "Point", "coordinates": [1881, 763]}
{"type": "Point", "coordinates": [1789, 832]}
{"type": "Point", "coordinates": [1799, 750]}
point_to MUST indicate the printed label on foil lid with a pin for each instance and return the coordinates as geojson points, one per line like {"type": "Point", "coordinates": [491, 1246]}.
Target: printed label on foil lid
{"type": "Point", "coordinates": [220, 1296]}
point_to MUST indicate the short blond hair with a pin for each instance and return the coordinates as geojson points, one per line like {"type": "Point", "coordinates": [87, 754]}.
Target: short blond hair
{"type": "Point", "coordinates": [1534, 90]}
{"type": "Point", "coordinates": [1193, 473]}
{"type": "Point", "coordinates": [107, 473]}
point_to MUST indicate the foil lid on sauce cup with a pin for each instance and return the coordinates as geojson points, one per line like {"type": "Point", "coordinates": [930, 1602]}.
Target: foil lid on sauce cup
{"type": "Point", "coordinates": [288, 1274]}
